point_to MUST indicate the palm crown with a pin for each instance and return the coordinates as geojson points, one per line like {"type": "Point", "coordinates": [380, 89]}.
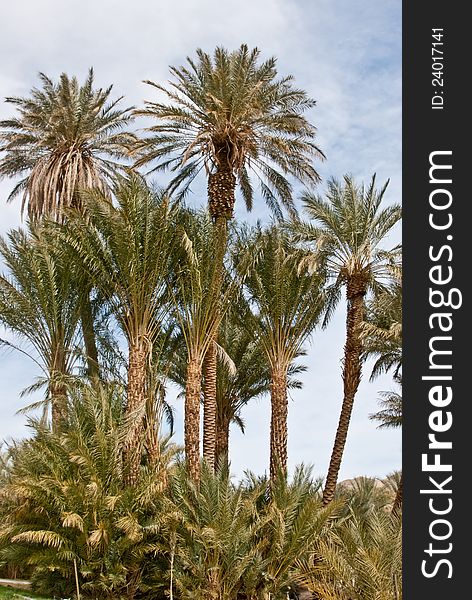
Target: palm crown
{"type": "Point", "coordinates": [40, 302]}
{"type": "Point", "coordinates": [228, 113]}
{"type": "Point", "coordinates": [66, 136]}
{"type": "Point", "coordinates": [346, 231]}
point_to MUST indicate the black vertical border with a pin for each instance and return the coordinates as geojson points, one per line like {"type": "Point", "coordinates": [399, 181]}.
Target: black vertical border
{"type": "Point", "coordinates": [426, 130]}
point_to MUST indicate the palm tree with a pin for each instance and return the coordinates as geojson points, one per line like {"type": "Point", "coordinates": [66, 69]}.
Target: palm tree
{"type": "Point", "coordinates": [64, 510]}
{"type": "Point", "coordinates": [199, 310]}
{"type": "Point", "coordinates": [40, 303]}
{"type": "Point", "coordinates": [345, 234]}
{"type": "Point", "coordinates": [128, 251]}
{"type": "Point", "coordinates": [65, 137]}
{"type": "Point", "coordinates": [245, 377]}
{"type": "Point", "coordinates": [288, 303]}
{"type": "Point", "coordinates": [198, 318]}
{"type": "Point", "coordinates": [230, 116]}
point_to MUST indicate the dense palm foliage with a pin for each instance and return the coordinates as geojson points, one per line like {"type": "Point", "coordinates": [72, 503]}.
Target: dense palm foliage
{"type": "Point", "coordinates": [127, 251]}
{"type": "Point", "coordinates": [115, 289]}
{"type": "Point", "coordinates": [64, 505]}
{"type": "Point", "coordinates": [361, 558]}
{"type": "Point", "coordinates": [40, 302]}
{"type": "Point", "coordinates": [345, 232]}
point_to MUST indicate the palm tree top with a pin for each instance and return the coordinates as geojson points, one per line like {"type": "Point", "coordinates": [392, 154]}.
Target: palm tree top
{"type": "Point", "coordinates": [349, 225]}
{"type": "Point", "coordinates": [65, 136]}
{"type": "Point", "coordinates": [287, 301]}
{"type": "Point", "coordinates": [230, 112]}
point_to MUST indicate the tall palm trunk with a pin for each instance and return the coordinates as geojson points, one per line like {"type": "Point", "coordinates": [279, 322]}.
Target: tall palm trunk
{"type": "Point", "coordinates": [222, 439]}
{"type": "Point", "coordinates": [221, 199]}
{"type": "Point", "coordinates": [57, 389]}
{"type": "Point", "coordinates": [193, 388]}
{"type": "Point", "coordinates": [88, 332]}
{"type": "Point", "coordinates": [58, 400]}
{"type": "Point", "coordinates": [398, 497]}
{"type": "Point", "coordinates": [278, 422]}
{"type": "Point", "coordinates": [135, 410]}
{"type": "Point", "coordinates": [356, 290]}
{"type": "Point", "coordinates": [209, 406]}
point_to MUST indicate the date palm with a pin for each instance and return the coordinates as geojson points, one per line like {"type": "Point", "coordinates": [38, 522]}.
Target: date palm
{"type": "Point", "coordinates": [196, 312]}
{"type": "Point", "coordinates": [199, 309]}
{"type": "Point", "coordinates": [248, 379]}
{"type": "Point", "coordinates": [127, 250]}
{"type": "Point", "coordinates": [64, 506]}
{"type": "Point", "coordinates": [345, 233]}
{"type": "Point", "coordinates": [232, 118]}
{"type": "Point", "coordinates": [287, 303]}
{"type": "Point", "coordinates": [64, 137]}
{"type": "Point", "coordinates": [40, 303]}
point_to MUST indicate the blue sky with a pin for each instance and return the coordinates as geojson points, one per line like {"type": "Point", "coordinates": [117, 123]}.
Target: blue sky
{"type": "Point", "coordinates": [345, 53]}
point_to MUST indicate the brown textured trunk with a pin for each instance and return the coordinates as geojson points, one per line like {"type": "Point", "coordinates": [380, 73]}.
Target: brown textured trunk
{"type": "Point", "coordinates": [58, 406]}
{"type": "Point", "coordinates": [57, 389]}
{"type": "Point", "coordinates": [135, 411]}
{"type": "Point", "coordinates": [193, 388]}
{"type": "Point", "coordinates": [352, 368]}
{"type": "Point", "coordinates": [209, 406]}
{"type": "Point", "coordinates": [222, 440]}
{"type": "Point", "coordinates": [88, 332]}
{"type": "Point", "coordinates": [152, 433]}
{"type": "Point", "coordinates": [398, 497]}
{"type": "Point", "coordinates": [221, 187]}
{"type": "Point", "coordinates": [278, 422]}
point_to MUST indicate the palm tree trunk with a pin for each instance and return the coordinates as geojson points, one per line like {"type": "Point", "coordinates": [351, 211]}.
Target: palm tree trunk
{"type": "Point", "coordinates": [193, 388]}
{"type": "Point", "coordinates": [222, 439]}
{"type": "Point", "coordinates": [58, 400]}
{"type": "Point", "coordinates": [57, 388]}
{"type": "Point", "coordinates": [88, 332]}
{"type": "Point", "coordinates": [221, 188]}
{"type": "Point", "coordinates": [209, 406]}
{"type": "Point", "coordinates": [135, 411]}
{"type": "Point", "coordinates": [398, 497]}
{"type": "Point", "coordinates": [351, 377]}
{"type": "Point", "coordinates": [278, 422]}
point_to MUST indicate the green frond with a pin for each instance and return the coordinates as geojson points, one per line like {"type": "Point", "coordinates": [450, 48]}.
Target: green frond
{"type": "Point", "coordinates": [231, 110]}
{"type": "Point", "coordinates": [65, 137]}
